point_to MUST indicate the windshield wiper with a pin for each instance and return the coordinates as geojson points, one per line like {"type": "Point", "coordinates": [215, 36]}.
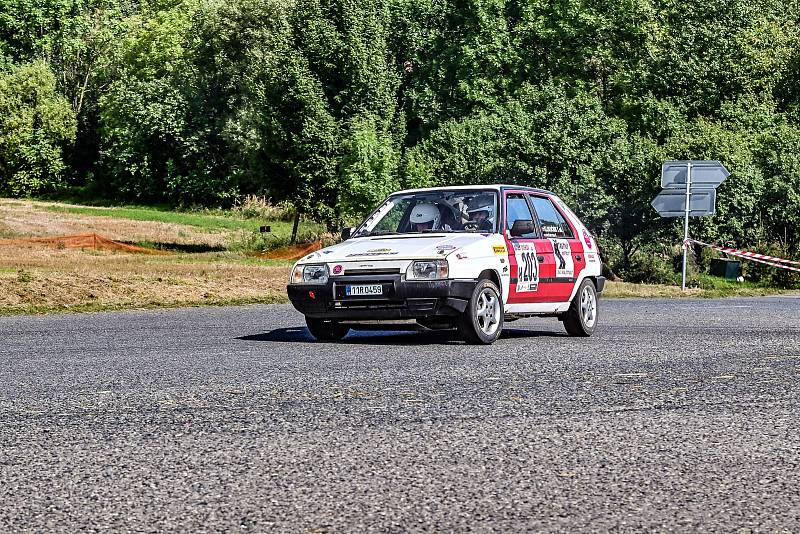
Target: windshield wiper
{"type": "Point", "coordinates": [451, 231]}
{"type": "Point", "coordinates": [376, 232]}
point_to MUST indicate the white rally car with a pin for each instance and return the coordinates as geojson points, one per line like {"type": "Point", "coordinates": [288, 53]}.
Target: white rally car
{"type": "Point", "coordinates": [469, 257]}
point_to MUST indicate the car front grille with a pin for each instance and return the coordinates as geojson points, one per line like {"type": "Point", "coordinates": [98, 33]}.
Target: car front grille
{"type": "Point", "coordinates": [366, 272]}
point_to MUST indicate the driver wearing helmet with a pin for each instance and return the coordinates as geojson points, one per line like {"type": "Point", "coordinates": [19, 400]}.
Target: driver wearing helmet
{"type": "Point", "coordinates": [481, 212]}
{"type": "Point", "coordinates": [425, 216]}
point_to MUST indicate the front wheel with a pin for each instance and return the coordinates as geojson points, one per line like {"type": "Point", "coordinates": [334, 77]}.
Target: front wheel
{"type": "Point", "coordinates": [326, 329]}
{"type": "Point", "coordinates": [482, 321]}
{"type": "Point", "coordinates": [581, 318]}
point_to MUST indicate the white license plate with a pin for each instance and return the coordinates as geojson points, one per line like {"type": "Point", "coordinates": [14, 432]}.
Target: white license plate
{"type": "Point", "coordinates": [356, 291]}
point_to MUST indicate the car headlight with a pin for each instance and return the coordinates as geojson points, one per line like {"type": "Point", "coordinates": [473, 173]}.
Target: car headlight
{"type": "Point", "coordinates": [309, 274]}
{"type": "Point", "coordinates": [428, 270]}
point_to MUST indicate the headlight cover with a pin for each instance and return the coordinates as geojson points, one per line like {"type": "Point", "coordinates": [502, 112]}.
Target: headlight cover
{"type": "Point", "coordinates": [309, 274]}
{"type": "Point", "coordinates": [428, 270]}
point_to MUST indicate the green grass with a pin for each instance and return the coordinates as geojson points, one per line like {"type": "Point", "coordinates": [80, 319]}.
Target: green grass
{"type": "Point", "coordinates": [203, 221]}
{"type": "Point", "coordinates": [702, 286]}
{"type": "Point", "coordinates": [714, 286]}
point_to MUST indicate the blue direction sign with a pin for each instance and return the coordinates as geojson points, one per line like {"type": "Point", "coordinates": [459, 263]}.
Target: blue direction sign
{"type": "Point", "coordinates": [672, 202]}
{"type": "Point", "coordinates": [705, 174]}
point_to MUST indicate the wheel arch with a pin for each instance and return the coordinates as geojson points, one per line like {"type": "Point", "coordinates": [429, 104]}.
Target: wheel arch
{"type": "Point", "coordinates": [494, 276]}
{"type": "Point", "coordinates": [578, 283]}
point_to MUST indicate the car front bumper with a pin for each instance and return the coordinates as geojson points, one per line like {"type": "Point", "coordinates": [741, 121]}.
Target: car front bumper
{"type": "Point", "coordinates": [401, 299]}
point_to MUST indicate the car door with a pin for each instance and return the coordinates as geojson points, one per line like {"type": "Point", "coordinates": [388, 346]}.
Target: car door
{"type": "Point", "coordinates": [531, 258]}
{"type": "Point", "coordinates": [567, 249]}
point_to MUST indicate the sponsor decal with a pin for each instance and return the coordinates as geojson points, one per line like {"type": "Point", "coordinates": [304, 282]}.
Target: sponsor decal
{"type": "Point", "coordinates": [370, 253]}
{"type": "Point", "coordinates": [587, 239]}
{"type": "Point", "coordinates": [337, 269]}
{"type": "Point", "coordinates": [550, 229]}
{"type": "Point", "coordinates": [565, 266]}
{"type": "Point", "coordinates": [446, 247]}
{"type": "Point", "coordinates": [527, 267]}
{"type": "Point", "coordinates": [591, 258]}
{"type": "Point", "coordinates": [499, 249]}
{"type": "Point", "coordinates": [380, 250]}
{"type": "Point", "coordinates": [462, 256]}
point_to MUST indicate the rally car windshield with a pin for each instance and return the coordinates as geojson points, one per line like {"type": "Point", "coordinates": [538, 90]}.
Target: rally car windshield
{"type": "Point", "coordinates": [434, 211]}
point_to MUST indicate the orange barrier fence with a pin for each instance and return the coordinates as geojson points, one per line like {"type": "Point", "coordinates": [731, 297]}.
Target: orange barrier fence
{"type": "Point", "coordinates": [292, 252]}
{"type": "Point", "coordinates": [91, 241]}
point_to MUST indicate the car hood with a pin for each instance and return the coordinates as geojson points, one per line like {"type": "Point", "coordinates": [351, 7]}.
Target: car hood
{"type": "Point", "coordinates": [401, 247]}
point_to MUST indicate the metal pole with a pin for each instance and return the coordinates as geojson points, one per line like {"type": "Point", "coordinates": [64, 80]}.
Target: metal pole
{"type": "Point", "coordinates": [686, 222]}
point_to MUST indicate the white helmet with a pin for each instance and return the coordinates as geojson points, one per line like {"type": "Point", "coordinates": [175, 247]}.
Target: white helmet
{"type": "Point", "coordinates": [482, 203]}
{"type": "Point", "coordinates": [426, 212]}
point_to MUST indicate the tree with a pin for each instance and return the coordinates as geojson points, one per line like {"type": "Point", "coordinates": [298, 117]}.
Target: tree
{"type": "Point", "coordinates": [160, 124]}
{"type": "Point", "coordinates": [546, 137]}
{"type": "Point", "coordinates": [35, 125]}
{"type": "Point", "coordinates": [369, 169]}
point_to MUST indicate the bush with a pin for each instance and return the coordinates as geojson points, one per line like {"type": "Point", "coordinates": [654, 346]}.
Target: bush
{"type": "Point", "coordinates": [650, 268]}
{"type": "Point", "coordinates": [35, 125]}
{"type": "Point", "coordinates": [769, 275]}
{"type": "Point", "coordinates": [249, 242]}
{"type": "Point", "coordinates": [259, 207]}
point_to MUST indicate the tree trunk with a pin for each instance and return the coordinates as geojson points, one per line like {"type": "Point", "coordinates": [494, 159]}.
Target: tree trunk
{"type": "Point", "coordinates": [295, 225]}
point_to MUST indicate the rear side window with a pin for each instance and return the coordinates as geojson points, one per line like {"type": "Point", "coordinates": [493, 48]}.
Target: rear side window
{"type": "Point", "coordinates": [517, 209]}
{"type": "Point", "coordinates": [552, 222]}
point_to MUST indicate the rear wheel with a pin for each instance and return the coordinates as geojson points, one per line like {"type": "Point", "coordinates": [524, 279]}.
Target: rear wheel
{"type": "Point", "coordinates": [482, 321]}
{"type": "Point", "coordinates": [581, 318]}
{"type": "Point", "coordinates": [326, 329]}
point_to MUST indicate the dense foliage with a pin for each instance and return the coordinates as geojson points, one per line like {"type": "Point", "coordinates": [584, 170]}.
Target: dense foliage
{"type": "Point", "coordinates": [331, 104]}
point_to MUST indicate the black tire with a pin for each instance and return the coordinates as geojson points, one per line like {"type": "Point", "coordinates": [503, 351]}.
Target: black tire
{"type": "Point", "coordinates": [581, 318]}
{"type": "Point", "coordinates": [326, 329]}
{"type": "Point", "coordinates": [473, 324]}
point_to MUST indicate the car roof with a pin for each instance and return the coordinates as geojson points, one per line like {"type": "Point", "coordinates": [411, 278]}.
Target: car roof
{"type": "Point", "coordinates": [499, 187]}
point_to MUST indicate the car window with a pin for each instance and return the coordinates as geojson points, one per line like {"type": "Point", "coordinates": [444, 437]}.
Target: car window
{"type": "Point", "coordinates": [517, 209]}
{"type": "Point", "coordinates": [552, 222]}
{"type": "Point", "coordinates": [459, 210]}
{"type": "Point", "coordinates": [391, 221]}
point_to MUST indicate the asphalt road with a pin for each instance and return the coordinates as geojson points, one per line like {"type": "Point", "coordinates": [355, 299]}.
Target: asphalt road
{"type": "Point", "coordinates": [676, 416]}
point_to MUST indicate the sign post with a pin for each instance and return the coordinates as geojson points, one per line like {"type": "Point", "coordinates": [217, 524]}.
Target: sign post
{"type": "Point", "coordinates": [689, 190]}
{"type": "Point", "coordinates": [686, 222]}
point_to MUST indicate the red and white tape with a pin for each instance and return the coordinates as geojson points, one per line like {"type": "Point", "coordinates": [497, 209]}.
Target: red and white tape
{"type": "Point", "coordinates": [760, 258]}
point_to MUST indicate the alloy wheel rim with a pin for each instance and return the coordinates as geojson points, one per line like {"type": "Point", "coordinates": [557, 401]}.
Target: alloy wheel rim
{"type": "Point", "coordinates": [487, 312]}
{"type": "Point", "coordinates": [588, 307]}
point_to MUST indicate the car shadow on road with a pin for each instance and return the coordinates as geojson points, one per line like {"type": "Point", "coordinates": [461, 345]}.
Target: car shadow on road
{"type": "Point", "coordinates": [389, 337]}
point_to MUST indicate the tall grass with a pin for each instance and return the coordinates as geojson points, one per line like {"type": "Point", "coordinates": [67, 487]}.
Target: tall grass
{"type": "Point", "coordinates": [258, 207]}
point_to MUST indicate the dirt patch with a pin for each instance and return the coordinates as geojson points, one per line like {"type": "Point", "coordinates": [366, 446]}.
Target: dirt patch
{"type": "Point", "coordinates": [23, 218]}
{"type": "Point", "coordinates": [51, 261]}
{"type": "Point", "coordinates": [36, 279]}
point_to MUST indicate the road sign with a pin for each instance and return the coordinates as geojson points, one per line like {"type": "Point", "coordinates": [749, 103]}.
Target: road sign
{"type": "Point", "coordinates": [689, 190]}
{"type": "Point", "coordinates": [672, 202]}
{"type": "Point", "coordinates": [705, 174]}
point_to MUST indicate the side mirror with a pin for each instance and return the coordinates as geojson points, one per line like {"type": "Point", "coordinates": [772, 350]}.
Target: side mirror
{"type": "Point", "coordinates": [522, 227]}
{"type": "Point", "coordinates": [346, 233]}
